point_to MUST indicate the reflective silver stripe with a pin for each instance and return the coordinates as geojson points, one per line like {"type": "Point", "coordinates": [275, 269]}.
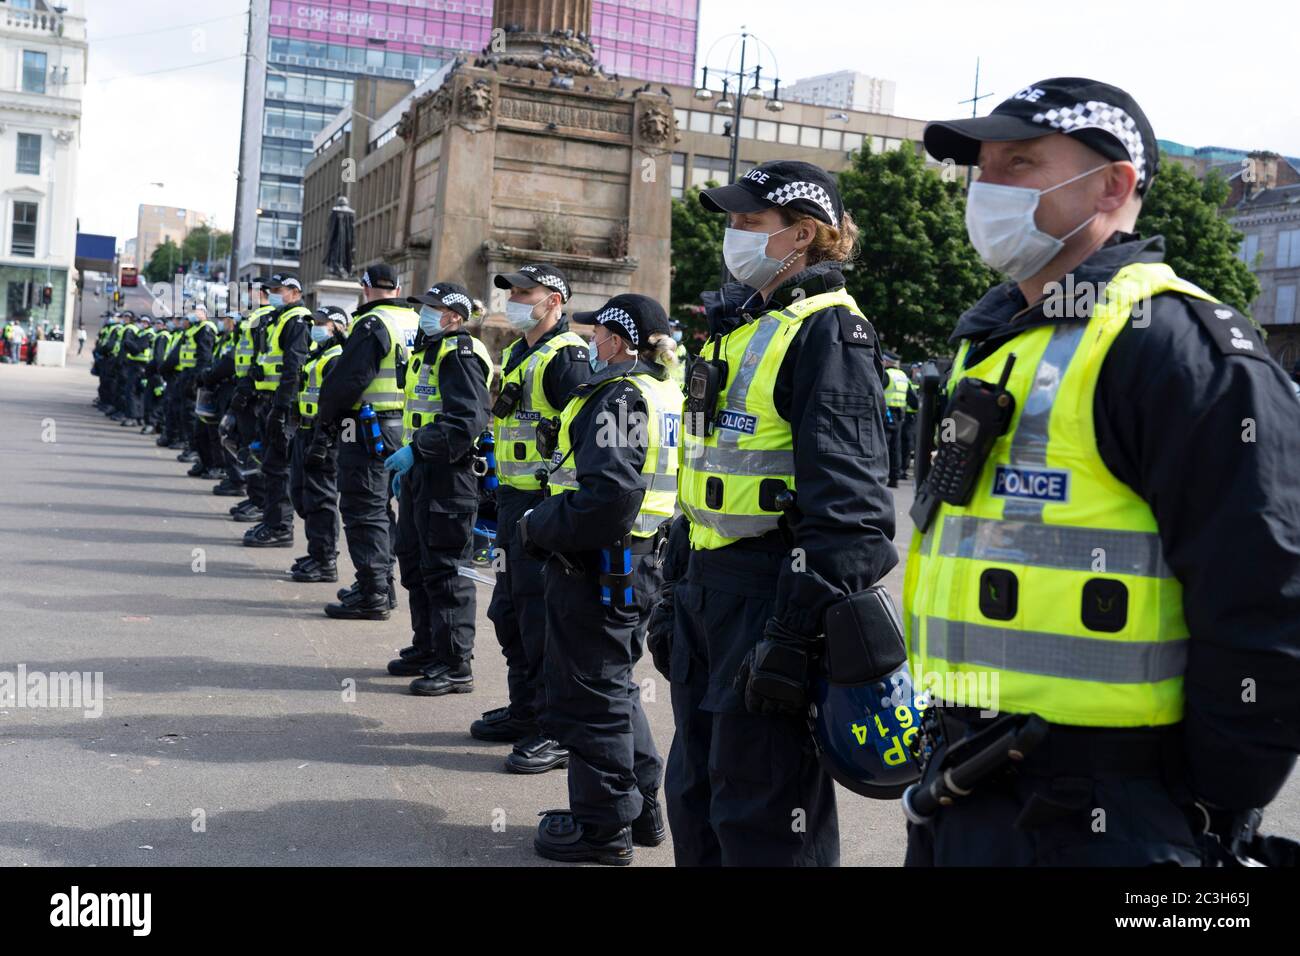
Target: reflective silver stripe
{"type": "Point", "coordinates": [739, 461]}
{"type": "Point", "coordinates": [370, 398]}
{"type": "Point", "coordinates": [739, 388]}
{"type": "Point", "coordinates": [661, 482]}
{"type": "Point", "coordinates": [732, 526]}
{"type": "Point", "coordinates": [564, 476]}
{"type": "Point", "coordinates": [518, 469]}
{"type": "Point", "coordinates": [385, 373]}
{"type": "Point", "coordinates": [423, 406]}
{"type": "Point", "coordinates": [519, 432]}
{"type": "Point", "coordinates": [1029, 443]}
{"type": "Point", "coordinates": [1052, 546]}
{"type": "Point", "coordinates": [648, 523]}
{"type": "Point", "coordinates": [1055, 655]}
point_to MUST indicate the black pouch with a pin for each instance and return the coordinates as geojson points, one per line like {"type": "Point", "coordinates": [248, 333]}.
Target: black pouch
{"type": "Point", "coordinates": [864, 637]}
{"type": "Point", "coordinates": [548, 437]}
{"type": "Point", "coordinates": [508, 400]}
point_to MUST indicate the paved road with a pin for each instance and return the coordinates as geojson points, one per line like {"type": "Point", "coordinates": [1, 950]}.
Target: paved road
{"type": "Point", "coordinates": [226, 736]}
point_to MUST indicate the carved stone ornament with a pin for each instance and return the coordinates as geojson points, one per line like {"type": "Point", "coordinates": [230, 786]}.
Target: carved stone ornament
{"type": "Point", "coordinates": [475, 102]}
{"type": "Point", "coordinates": [655, 126]}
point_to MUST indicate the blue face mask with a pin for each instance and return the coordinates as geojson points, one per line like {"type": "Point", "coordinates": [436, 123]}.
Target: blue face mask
{"type": "Point", "coordinates": [321, 334]}
{"type": "Point", "coordinates": [277, 300]}
{"type": "Point", "coordinates": [677, 336]}
{"type": "Point", "coordinates": [597, 364]}
{"type": "Point", "coordinates": [430, 320]}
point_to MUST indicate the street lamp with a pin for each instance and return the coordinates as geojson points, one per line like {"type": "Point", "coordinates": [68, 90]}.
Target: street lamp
{"type": "Point", "coordinates": [739, 79]}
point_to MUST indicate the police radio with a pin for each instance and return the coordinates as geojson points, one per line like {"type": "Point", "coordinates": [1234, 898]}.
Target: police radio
{"type": "Point", "coordinates": [702, 388]}
{"type": "Point", "coordinates": [508, 400]}
{"type": "Point", "coordinates": [979, 412]}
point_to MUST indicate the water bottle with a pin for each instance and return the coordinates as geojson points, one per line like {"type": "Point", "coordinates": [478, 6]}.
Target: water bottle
{"type": "Point", "coordinates": [616, 561]}
{"type": "Point", "coordinates": [488, 444]}
{"type": "Point", "coordinates": [369, 423]}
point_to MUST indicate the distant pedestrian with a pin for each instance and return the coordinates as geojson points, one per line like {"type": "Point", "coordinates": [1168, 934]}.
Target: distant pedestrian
{"type": "Point", "coordinates": [81, 339]}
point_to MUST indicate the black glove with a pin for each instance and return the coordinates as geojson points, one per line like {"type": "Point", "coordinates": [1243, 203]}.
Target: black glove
{"type": "Point", "coordinates": [317, 451]}
{"type": "Point", "coordinates": [659, 630]}
{"type": "Point", "coordinates": [774, 676]}
{"type": "Point", "coordinates": [1227, 834]}
{"type": "Point", "coordinates": [277, 422]}
{"type": "Point", "coordinates": [530, 547]}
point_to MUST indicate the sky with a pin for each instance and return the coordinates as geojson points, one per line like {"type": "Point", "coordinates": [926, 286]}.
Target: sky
{"type": "Point", "coordinates": [1204, 74]}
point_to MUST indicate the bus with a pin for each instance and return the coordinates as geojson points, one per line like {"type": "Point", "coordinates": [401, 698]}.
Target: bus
{"type": "Point", "coordinates": [129, 276]}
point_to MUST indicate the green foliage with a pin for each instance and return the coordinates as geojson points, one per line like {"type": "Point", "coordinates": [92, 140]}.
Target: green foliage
{"type": "Point", "coordinates": [696, 257]}
{"type": "Point", "coordinates": [163, 263]}
{"type": "Point", "coordinates": [195, 247]}
{"type": "Point", "coordinates": [1200, 244]}
{"type": "Point", "coordinates": [916, 271]}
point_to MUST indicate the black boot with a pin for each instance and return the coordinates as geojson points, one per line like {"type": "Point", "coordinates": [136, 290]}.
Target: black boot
{"type": "Point", "coordinates": [188, 455]}
{"type": "Point", "coordinates": [413, 664]}
{"type": "Point", "coordinates": [197, 470]}
{"type": "Point", "coordinates": [265, 537]}
{"type": "Point", "coordinates": [537, 755]}
{"type": "Point", "coordinates": [251, 515]}
{"type": "Point", "coordinates": [500, 725]}
{"type": "Point", "coordinates": [443, 679]}
{"type": "Point", "coordinates": [228, 489]}
{"type": "Point", "coordinates": [366, 607]}
{"type": "Point", "coordinates": [312, 571]}
{"type": "Point", "coordinates": [648, 828]}
{"type": "Point", "coordinates": [561, 837]}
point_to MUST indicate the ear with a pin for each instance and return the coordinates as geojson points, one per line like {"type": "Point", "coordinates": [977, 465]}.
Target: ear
{"type": "Point", "coordinates": [1119, 180]}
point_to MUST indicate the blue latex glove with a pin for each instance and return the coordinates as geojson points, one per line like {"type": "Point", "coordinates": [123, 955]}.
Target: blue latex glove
{"type": "Point", "coordinates": [397, 484]}
{"type": "Point", "coordinates": [401, 460]}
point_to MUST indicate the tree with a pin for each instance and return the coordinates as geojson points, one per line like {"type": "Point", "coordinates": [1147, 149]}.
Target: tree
{"type": "Point", "coordinates": [1200, 244]}
{"type": "Point", "coordinates": [696, 256]}
{"type": "Point", "coordinates": [916, 270]}
{"type": "Point", "coordinates": [164, 261]}
{"type": "Point", "coordinates": [195, 246]}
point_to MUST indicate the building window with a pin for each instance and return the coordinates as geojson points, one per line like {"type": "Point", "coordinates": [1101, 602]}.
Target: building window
{"type": "Point", "coordinates": [699, 122]}
{"type": "Point", "coordinates": [33, 71]}
{"type": "Point", "coordinates": [853, 141]}
{"type": "Point", "coordinates": [1250, 249]}
{"type": "Point", "coordinates": [29, 153]}
{"type": "Point", "coordinates": [679, 174]}
{"type": "Point", "coordinates": [767, 131]}
{"type": "Point", "coordinates": [810, 136]}
{"type": "Point", "coordinates": [1288, 249]}
{"type": "Point", "coordinates": [24, 233]}
{"type": "Point", "coordinates": [788, 134]}
{"type": "Point", "coordinates": [832, 138]}
{"type": "Point", "coordinates": [1284, 312]}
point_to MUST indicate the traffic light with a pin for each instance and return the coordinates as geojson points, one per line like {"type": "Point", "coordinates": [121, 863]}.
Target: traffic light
{"type": "Point", "coordinates": [47, 295]}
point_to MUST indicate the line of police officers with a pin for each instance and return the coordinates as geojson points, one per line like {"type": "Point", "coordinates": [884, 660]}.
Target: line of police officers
{"type": "Point", "coordinates": [1096, 537]}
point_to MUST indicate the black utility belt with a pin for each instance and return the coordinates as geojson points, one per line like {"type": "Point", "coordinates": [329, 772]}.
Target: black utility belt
{"type": "Point", "coordinates": [1073, 751]}
{"type": "Point", "coordinates": [384, 415]}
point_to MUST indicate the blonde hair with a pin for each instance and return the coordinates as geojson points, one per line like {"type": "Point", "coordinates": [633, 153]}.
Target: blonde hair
{"type": "Point", "coordinates": [662, 349]}
{"type": "Point", "coordinates": [828, 243]}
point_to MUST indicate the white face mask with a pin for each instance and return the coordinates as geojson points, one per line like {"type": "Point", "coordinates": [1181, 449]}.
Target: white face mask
{"type": "Point", "coordinates": [745, 254]}
{"type": "Point", "coordinates": [320, 334]}
{"type": "Point", "coordinates": [520, 316]}
{"type": "Point", "coordinates": [1000, 222]}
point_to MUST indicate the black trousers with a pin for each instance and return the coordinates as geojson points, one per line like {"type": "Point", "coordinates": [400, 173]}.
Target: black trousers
{"type": "Point", "coordinates": [909, 441]}
{"type": "Point", "coordinates": [894, 438]}
{"type": "Point", "coordinates": [277, 508]}
{"type": "Point", "coordinates": [1046, 816]}
{"type": "Point", "coordinates": [431, 544]}
{"type": "Point", "coordinates": [176, 417]}
{"type": "Point", "coordinates": [366, 504]}
{"type": "Point", "coordinates": [593, 702]}
{"type": "Point", "coordinates": [741, 789]}
{"type": "Point", "coordinates": [518, 608]}
{"type": "Point", "coordinates": [135, 390]}
{"type": "Point", "coordinates": [250, 431]}
{"type": "Point", "coordinates": [315, 494]}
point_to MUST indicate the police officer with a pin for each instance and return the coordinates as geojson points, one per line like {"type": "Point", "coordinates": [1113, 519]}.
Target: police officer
{"type": "Point", "coordinates": [243, 404]}
{"type": "Point", "coordinates": [897, 386]}
{"type": "Point", "coordinates": [198, 345]}
{"type": "Point", "coordinates": [909, 419]}
{"type": "Point", "coordinates": [782, 485]}
{"type": "Point", "coordinates": [117, 402]}
{"type": "Point", "coordinates": [153, 372]}
{"type": "Point", "coordinates": [612, 488]}
{"type": "Point", "coordinates": [313, 479]}
{"type": "Point", "coordinates": [219, 379]}
{"type": "Point", "coordinates": [171, 387]}
{"type": "Point", "coordinates": [1125, 558]}
{"type": "Point", "coordinates": [369, 375]}
{"type": "Point", "coordinates": [539, 370]}
{"type": "Point", "coordinates": [138, 346]}
{"type": "Point", "coordinates": [446, 411]}
{"type": "Point", "coordinates": [275, 370]}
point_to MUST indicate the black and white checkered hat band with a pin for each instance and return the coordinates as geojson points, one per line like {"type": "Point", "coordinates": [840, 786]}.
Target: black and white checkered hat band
{"type": "Point", "coordinates": [623, 319]}
{"type": "Point", "coordinates": [553, 282]}
{"type": "Point", "coordinates": [455, 298]}
{"type": "Point", "coordinates": [1109, 119]}
{"type": "Point", "coordinates": [803, 190]}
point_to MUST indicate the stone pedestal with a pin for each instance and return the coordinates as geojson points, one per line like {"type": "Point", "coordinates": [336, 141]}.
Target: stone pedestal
{"type": "Point", "coordinates": [344, 293]}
